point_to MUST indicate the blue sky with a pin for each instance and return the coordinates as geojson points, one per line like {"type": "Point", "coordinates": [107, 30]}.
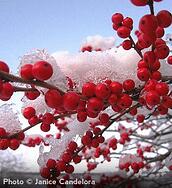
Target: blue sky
{"type": "Point", "coordinates": [58, 24]}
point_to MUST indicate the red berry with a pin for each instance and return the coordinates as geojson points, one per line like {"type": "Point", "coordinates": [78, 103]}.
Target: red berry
{"type": "Point", "coordinates": [69, 169]}
{"type": "Point", "coordinates": [4, 144]}
{"type": "Point", "coordinates": [156, 75]}
{"type": "Point", "coordinates": [94, 104]}
{"type": "Point", "coordinates": [149, 57]}
{"type": "Point", "coordinates": [148, 24]}
{"type": "Point", "coordinates": [61, 165]}
{"type": "Point", "coordinates": [14, 144]}
{"type": "Point", "coordinates": [45, 127]}
{"type": "Point", "coordinates": [162, 51]}
{"type": "Point", "coordinates": [32, 95]}
{"type": "Point", "coordinates": [162, 110]}
{"type": "Point", "coordinates": [155, 66]}
{"type": "Point", "coordinates": [116, 88]}
{"type": "Point", "coordinates": [152, 98]}
{"type": "Point", "coordinates": [143, 74]}
{"type": "Point", "coordinates": [29, 112]}
{"type": "Point", "coordinates": [102, 91]}
{"type": "Point", "coordinates": [112, 99]}
{"type": "Point", "coordinates": [33, 120]}
{"type": "Point", "coordinates": [77, 159]}
{"type": "Point", "coordinates": [26, 72]}
{"type": "Point", "coordinates": [81, 116]}
{"type": "Point", "coordinates": [164, 18]}
{"type": "Point", "coordinates": [128, 22]}
{"type": "Point", "coordinates": [159, 32]}
{"type": "Point", "coordinates": [47, 118]}
{"type": "Point", "coordinates": [169, 60]}
{"type": "Point", "coordinates": [86, 140]}
{"type": "Point", "coordinates": [123, 32]}
{"type": "Point", "coordinates": [145, 40]}
{"type": "Point", "coordinates": [45, 173]}
{"type": "Point", "coordinates": [53, 98]}
{"type": "Point", "coordinates": [42, 70]}
{"type": "Point", "coordinates": [162, 88]}
{"type": "Point", "coordinates": [72, 146]}
{"type": "Point", "coordinates": [7, 91]}
{"type": "Point", "coordinates": [66, 157]}
{"type": "Point", "coordinates": [139, 2]}
{"type": "Point", "coordinates": [71, 101]}
{"type": "Point", "coordinates": [127, 44]}
{"type": "Point", "coordinates": [117, 18]}
{"type": "Point", "coordinates": [125, 101]}
{"type": "Point", "coordinates": [140, 118]}
{"type": "Point", "coordinates": [104, 118]}
{"type": "Point", "coordinates": [88, 89]}
{"type": "Point", "coordinates": [51, 163]}
{"type": "Point", "coordinates": [128, 85]}
{"type": "Point", "coordinates": [2, 132]}
{"type": "Point", "coordinates": [4, 67]}
{"type": "Point", "coordinates": [150, 85]}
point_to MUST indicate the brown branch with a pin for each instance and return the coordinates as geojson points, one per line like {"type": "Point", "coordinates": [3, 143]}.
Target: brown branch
{"type": "Point", "coordinates": [135, 47]}
{"type": "Point", "coordinates": [13, 78]}
{"type": "Point", "coordinates": [150, 3]}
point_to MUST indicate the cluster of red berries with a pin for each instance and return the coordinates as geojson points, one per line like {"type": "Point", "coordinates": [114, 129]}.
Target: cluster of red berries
{"type": "Point", "coordinates": [156, 94]}
{"type": "Point", "coordinates": [135, 166]}
{"type": "Point", "coordinates": [122, 25]}
{"type": "Point", "coordinates": [90, 140]}
{"type": "Point", "coordinates": [40, 70]}
{"type": "Point", "coordinates": [8, 142]}
{"type": "Point", "coordinates": [104, 93]}
{"type": "Point", "coordinates": [89, 48]}
{"type": "Point", "coordinates": [6, 88]}
{"type": "Point", "coordinates": [124, 137]}
{"type": "Point", "coordinates": [54, 168]}
{"type": "Point", "coordinates": [32, 142]}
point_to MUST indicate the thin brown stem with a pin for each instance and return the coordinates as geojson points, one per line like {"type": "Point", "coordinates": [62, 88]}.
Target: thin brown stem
{"type": "Point", "coordinates": [13, 78]}
{"type": "Point", "coordinates": [135, 47]}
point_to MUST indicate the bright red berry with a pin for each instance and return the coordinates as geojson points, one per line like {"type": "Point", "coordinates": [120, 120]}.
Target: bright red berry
{"type": "Point", "coordinates": [164, 18]}
{"type": "Point", "coordinates": [32, 95]}
{"type": "Point", "coordinates": [116, 88]}
{"type": "Point", "coordinates": [42, 70]}
{"type": "Point", "coordinates": [143, 74]}
{"type": "Point", "coordinates": [94, 104]}
{"type": "Point", "coordinates": [14, 144]}
{"type": "Point", "coordinates": [71, 101]}
{"type": "Point", "coordinates": [127, 44]}
{"type": "Point", "coordinates": [53, 98]}
{"type": "Point", "coordinates": [29, 112]}
{"type": "Point", "coordinates": [88, 89]}
{"type": "Point", "coordinates": [4, 67]}
{"type": "Point", "coordinates": [117, 18]}
{"type": "Point", "coordinates": [148, 24]}
{"type": "Point", "coordinates": [139, 2]}
{"type": "Point", "coordinates": [128, 85]}
{"type": "Point", "coordinates": [152, 98]}
{"type": "Point", "coordinates": [26, 72]}
{"type": "Point", "coordinates": [123, 32]}
{"type": "Point", "coordinates": [169, 60]}
{"type": "Point", "coordinates": [102, 91]}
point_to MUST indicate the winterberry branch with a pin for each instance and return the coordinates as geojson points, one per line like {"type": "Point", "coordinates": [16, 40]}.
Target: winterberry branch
{"type": "Point", "coordinates": [150, 3]}
{"type": "Point", "coordinates": [13, 78]}
{"type": "Point", "coordinates": [135, 47]}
